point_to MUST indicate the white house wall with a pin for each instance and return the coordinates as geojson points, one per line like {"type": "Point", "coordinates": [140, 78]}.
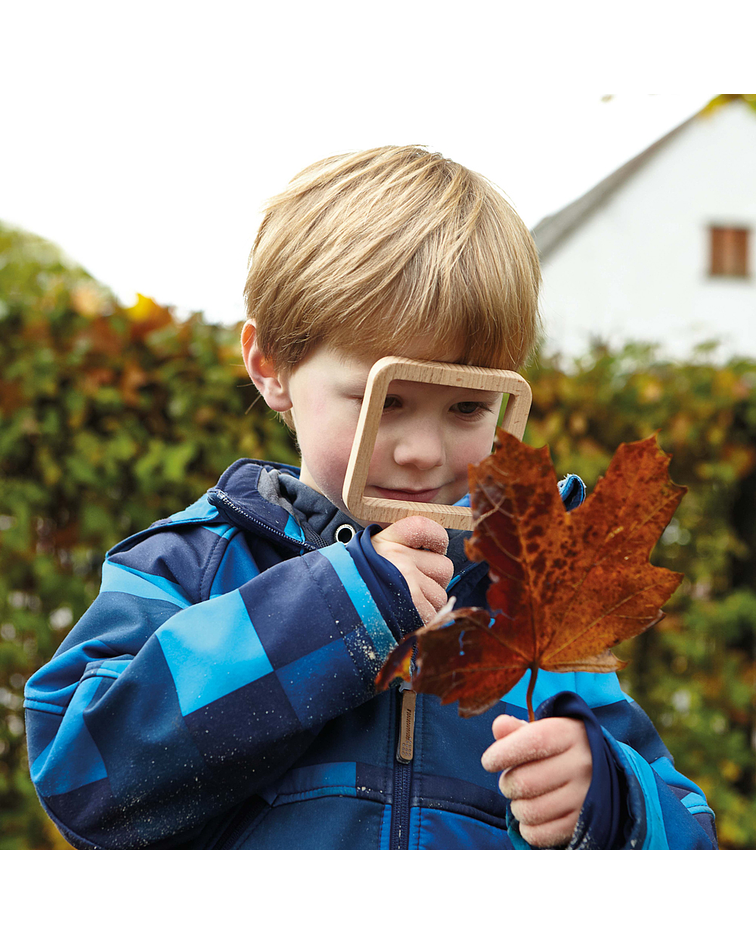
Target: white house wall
{"type": "Point", "coordinates": [637, 267]}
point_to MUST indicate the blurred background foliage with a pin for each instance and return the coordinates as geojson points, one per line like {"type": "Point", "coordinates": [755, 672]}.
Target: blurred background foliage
{"type": "Point", "coordinates": [112, 417]}
{"type": "Point", "coordinates": [694, 673]}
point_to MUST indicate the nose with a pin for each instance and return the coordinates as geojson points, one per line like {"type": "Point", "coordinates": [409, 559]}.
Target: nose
{"type": "Point", "coordinates": [421, 446]}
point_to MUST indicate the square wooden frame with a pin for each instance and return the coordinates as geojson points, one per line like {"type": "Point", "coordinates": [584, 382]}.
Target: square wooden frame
{"type": "Point", "coordinates": [374, 509]}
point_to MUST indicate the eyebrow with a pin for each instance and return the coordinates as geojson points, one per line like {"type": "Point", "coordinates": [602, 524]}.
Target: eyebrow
{"type": "Point", "coordinates": [352, 384]}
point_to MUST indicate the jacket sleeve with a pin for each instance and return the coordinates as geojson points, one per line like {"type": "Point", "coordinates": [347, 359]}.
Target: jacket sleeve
{"type": "Point", "coordinates": [637, 799]}
{"type": "Point", "coordinates": [162, 710]}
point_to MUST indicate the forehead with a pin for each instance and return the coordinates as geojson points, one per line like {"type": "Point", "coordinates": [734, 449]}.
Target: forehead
{"type": "Point", "coordinates": [461, 339]}
{"type": "Point", "coordinates": [419, 349]}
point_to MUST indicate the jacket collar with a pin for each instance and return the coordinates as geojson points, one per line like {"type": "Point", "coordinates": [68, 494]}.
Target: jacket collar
{"type": "Point", "coordinates": [243, 495]}
{"type": "Point", "coordinates": [269, 498]}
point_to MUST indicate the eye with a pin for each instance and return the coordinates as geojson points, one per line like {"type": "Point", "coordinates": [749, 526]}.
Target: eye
{"type": "Point", "coordinates": [472, 409]}
{"type": "Point", "coordinates": [391, 403]}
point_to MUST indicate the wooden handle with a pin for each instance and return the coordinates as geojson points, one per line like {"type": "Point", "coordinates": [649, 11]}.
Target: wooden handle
{"type": "Point", "coordinates": [372, 509]}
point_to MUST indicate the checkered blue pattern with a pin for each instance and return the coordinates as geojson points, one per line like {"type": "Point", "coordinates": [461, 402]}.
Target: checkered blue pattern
{"type": "Point", "coordinates": [219, 693]}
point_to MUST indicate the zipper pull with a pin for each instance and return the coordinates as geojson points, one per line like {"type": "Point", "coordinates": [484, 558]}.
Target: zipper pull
{"type": "Point", "coordinates": [405, 748]}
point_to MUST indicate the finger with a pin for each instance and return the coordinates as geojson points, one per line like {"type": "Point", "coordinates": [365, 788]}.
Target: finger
{"type": "Point", "coordinates": [540, 739]}
{"type": "Point", "coordinates": [535, 778]}
{"type": "Point", "coordinates": [426, 610]}
{"type": "Point", "coordinates": [416, 531]}
{"type": "Point", "coordinates": [553, 835]}
{"type": "Point", "coordinates": [504, 725]}
{"type": "Point", "coordinates": [517, 748]}
{"type": "Point", "coordinates": [555, 805]}
{"type": "Point", "coordinates": [432, 596]}
{"type": "Point", "coordinates": [436, 566]}
{"type": "Point", "coordinates": [427, 597]}
{"type": "Point", "coordinates": [434, 593]}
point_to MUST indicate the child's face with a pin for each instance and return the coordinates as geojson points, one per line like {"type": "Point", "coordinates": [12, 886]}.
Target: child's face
{"type": "Point", "coordinates": [427, 437]}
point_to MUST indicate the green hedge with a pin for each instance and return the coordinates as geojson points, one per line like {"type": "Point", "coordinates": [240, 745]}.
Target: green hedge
{"type": "Point", "coordinates": [695, 673]}
{"type": "Point", "coordinates": [112, 417]}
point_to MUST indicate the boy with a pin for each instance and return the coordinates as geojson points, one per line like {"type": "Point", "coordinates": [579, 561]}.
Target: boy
{"type": "Point", "coordinates": [219, 692]}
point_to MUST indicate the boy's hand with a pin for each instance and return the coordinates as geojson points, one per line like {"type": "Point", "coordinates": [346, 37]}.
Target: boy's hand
{"type": "Point", "coordinates": [417, 547]}
{"type": "Point", "coordinates": [547, 770]}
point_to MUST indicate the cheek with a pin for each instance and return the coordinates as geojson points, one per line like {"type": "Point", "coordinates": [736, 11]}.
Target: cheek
{"type": "Point", "coordinates": [473, 449]}
{"type": "Point", "coordinates": [382, 457]}
{"type": "Point", "coordinates": [329, 453]}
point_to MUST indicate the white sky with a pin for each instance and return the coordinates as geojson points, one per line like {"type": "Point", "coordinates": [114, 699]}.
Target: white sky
{"type": "Point", "coordinates": [144, 138]}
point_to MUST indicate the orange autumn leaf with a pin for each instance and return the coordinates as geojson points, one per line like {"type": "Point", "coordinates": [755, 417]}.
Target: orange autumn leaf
{"type": "Point", "coordinates": [566, 586]}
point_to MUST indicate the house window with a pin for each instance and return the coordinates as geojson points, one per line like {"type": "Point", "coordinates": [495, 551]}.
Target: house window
{"type": "Point", "coordinates": [729, 251]}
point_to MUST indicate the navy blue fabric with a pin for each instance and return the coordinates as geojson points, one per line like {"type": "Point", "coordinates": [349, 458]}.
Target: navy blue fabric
{"type": "Point", "coordinates": [219, 693]}
{"type": "Point", "coordinates": [602, 821]}
{"type": "Point", "coordinates": [385, 583]}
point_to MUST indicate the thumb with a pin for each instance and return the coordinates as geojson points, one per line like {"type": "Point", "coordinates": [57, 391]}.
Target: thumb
{"type": "Point", "coordinates": [504, 725]}
{"type": "Point", "coordinates": [416, 531]}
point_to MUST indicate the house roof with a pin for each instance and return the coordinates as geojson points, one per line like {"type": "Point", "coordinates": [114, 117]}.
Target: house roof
{"type": "Point", "coordinates": [554, 229]}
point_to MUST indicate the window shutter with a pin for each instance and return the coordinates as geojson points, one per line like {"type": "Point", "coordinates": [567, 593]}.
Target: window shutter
{"type": "Point", "coordinates": [729, 251]}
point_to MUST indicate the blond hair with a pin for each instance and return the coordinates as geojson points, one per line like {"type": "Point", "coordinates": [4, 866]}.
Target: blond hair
{"type": "Point", "coordinates": [368, 251]}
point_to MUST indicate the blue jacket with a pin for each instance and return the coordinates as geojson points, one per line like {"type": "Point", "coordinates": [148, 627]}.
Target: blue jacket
{"type": "Point", "coordinates": [219, 694]}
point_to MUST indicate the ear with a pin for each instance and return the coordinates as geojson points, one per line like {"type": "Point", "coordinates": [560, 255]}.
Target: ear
{"type": "Point", "coordinates": [272, 385]}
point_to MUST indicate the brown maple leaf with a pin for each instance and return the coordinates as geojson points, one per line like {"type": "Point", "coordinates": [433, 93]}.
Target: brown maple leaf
{"type": "Point", "coordinates": [566, 586]}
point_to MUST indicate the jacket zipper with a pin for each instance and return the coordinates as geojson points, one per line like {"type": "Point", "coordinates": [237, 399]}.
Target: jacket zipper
{"type": "Point", "coordinates": [259, 524]}
{"type": "Point", "coordinates": [405, 751]}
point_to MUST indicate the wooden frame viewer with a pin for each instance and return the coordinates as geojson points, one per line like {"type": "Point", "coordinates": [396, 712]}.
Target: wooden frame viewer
{"type": "Point", "coordinates": [374, 509]}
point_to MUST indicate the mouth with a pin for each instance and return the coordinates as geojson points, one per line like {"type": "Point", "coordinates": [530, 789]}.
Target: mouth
{"type": "Point", "coordinates": [407, 495]}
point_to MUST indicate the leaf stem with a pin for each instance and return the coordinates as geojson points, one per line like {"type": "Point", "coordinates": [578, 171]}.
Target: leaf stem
{"type": "Point", "coordinates": [531, 687]}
